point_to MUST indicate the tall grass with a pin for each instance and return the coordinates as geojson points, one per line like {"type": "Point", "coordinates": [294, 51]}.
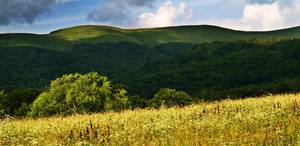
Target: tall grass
{"type": "Point", "coordinates": [270, 120]}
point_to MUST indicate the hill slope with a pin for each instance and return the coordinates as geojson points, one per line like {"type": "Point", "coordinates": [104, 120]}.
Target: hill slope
{"type": "Point", "coordinates": [64, 39]}
{"type": "Point", "coordinates": [147, 59]}
{"type": "Point", "coordinates": [272, 120]}
{"type": "Point", "coordinates": [33, 40]}
{"type": "Point", "coordinates": [223, 69]}
{"type": "Point", "coordinates": [156, 36]}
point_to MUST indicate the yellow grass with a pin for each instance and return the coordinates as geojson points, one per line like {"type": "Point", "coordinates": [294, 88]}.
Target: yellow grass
{"type": "Point", "coordinates": [271, 120]}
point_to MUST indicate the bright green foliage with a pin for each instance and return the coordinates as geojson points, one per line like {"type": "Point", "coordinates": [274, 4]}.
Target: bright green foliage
{"type": "Point", "coordinates": [156, 36]}
{"type": "Point", "coordinates": [118, 100]}
{"type": "Point", "coordinates": [170, 97]}
{"type": "Point", "coordinates": [76, 93]}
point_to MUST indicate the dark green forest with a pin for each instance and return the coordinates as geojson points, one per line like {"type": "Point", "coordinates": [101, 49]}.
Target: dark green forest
{"type": "Point", "coordinates": [177, 72]}
{"type": "Point", "coordinates": [224, 70]}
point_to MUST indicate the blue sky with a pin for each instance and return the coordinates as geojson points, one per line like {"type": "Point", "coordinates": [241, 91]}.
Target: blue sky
{"type": "Point", "coordinates": [44, 16]}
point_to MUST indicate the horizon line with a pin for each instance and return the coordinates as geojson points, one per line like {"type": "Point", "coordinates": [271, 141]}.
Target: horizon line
{"type": "Point", "coordinates": [148, 28]}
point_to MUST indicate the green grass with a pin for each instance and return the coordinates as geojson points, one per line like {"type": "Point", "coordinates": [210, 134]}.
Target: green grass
{"type": "Point", "coordinates": [94, 34]}
{"type": "Point", "coordinates": [270, 120]}
{"type": "Point", "coordinates": [155, 36]}
{"type": "Point", "coordinates": [32, 40]}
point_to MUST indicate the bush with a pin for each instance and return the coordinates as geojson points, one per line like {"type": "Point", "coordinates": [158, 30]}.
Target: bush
{"type": "Point", "coordinates": [23, 110]}
{"type": "Point", "coordinates": [170, 97]}
{"type": "Point", "coordinates": [18, 98]}
{"type": "Point", "coordinates": [137, 101]}
{"type": "Point", "coordinates": [76, 93]}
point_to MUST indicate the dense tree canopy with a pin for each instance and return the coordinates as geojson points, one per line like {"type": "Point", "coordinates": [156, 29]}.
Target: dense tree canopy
{"type": "Point", "coordinates": [224, 69]}
{"type": "Point", "coordinates": [77, 93]}
{"type": "Point", "coordinates": [207, 71]}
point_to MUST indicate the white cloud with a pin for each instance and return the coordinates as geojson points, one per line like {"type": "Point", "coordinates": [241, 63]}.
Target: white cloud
{"type": "Point", "coordinates": [271, 16]}
{"type": "Point", "coordinates": [256, 15]}
{"type": "Point", "coordinates": [166, 15]}
{"type": "Point", "coordinates": [263, 16]}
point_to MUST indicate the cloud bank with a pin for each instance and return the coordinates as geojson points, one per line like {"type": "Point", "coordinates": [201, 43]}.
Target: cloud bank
{"type": "Point", "coordinates": [24, 11]}
{"type": "Point", "coordinates": [266, 14]}
{"type": "Point", "coordinates": [166, 15]}
{"type": "Point", "coordinates": [236, 14]}
{"type": "Point", "coordinates": [253, 14]}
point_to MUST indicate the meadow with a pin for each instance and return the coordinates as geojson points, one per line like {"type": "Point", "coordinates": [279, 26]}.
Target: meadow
{"type": "Point", "coordinates": [268, 120]}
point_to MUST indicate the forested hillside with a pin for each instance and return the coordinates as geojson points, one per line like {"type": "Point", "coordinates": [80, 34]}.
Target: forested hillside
{"type": "Point", "coordinates": [207, 62]}
{"type": "Point", "coordinates": [224, 69]}
{"type": "Point", "coordinates": [35, 67]}
{"type": "Point", "coordinates": [29, 60]}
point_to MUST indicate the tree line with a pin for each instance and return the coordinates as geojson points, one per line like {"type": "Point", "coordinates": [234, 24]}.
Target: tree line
{"type": "Point", "coordinates": [191, 73]}
{"type": "Point", "coordinates": [82, 94]}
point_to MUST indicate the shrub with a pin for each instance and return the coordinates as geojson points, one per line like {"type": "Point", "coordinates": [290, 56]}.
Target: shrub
{"type": "Point", "coordinates": [76, 93]}
{"type": "Point", "coordinates": [20, 98]}
{"type": "Point", "coordinates": [137, 101]}
{"type": "Point", "coordinates": [170, 98]}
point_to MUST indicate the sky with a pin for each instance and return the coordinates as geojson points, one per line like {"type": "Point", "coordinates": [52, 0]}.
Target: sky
{"type": "Point", "coordinates": [44, 16]}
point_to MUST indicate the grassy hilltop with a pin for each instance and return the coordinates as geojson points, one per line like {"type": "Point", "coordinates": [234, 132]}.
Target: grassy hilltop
{"type": "Point", "coordinates": [63, 39]}
{"type": "Point", "coordinates": [270, 120]}
{"type": "Point", "coordinates": [156, 36]}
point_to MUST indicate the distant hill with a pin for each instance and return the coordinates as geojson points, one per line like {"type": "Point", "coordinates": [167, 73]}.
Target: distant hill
{"type": "Point", "coordinates": [147, 59]}
{"type": "Point", "coordinates": [156, 36]}
{"type": "Point", "coordinates": [33, 40]}
{"type": "Point", "coordinates": [64, 39]}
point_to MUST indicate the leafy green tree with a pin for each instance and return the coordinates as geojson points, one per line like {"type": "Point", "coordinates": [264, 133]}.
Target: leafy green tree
{"type": "Point", "coordinates": [76, 93]}
{"type": "Point", "coordinates": [171, 97]}
{"type": "Point", "coordinates": [118, 100]}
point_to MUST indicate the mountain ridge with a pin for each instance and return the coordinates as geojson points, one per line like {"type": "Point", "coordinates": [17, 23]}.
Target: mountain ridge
{"type": "Point", "coordinates": [167, 27]}
{"type": "Point", "coordinates": [151, 37]}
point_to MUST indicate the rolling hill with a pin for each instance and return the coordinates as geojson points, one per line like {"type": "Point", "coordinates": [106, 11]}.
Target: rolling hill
{"type": "Point", "coordinates": [64, 39]}
{"type": "Point", "coordinates": [147, 59]}
{"type": "Point", "coordinates": [33, 40]}
{"type": "Point", "coordinates": [156, 36]}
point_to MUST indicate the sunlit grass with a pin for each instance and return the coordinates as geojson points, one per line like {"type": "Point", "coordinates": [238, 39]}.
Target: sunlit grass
{"type": "Point", "coordinates": [155, 36]}
{"type": "Point", "coordinates": [270, 120]}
